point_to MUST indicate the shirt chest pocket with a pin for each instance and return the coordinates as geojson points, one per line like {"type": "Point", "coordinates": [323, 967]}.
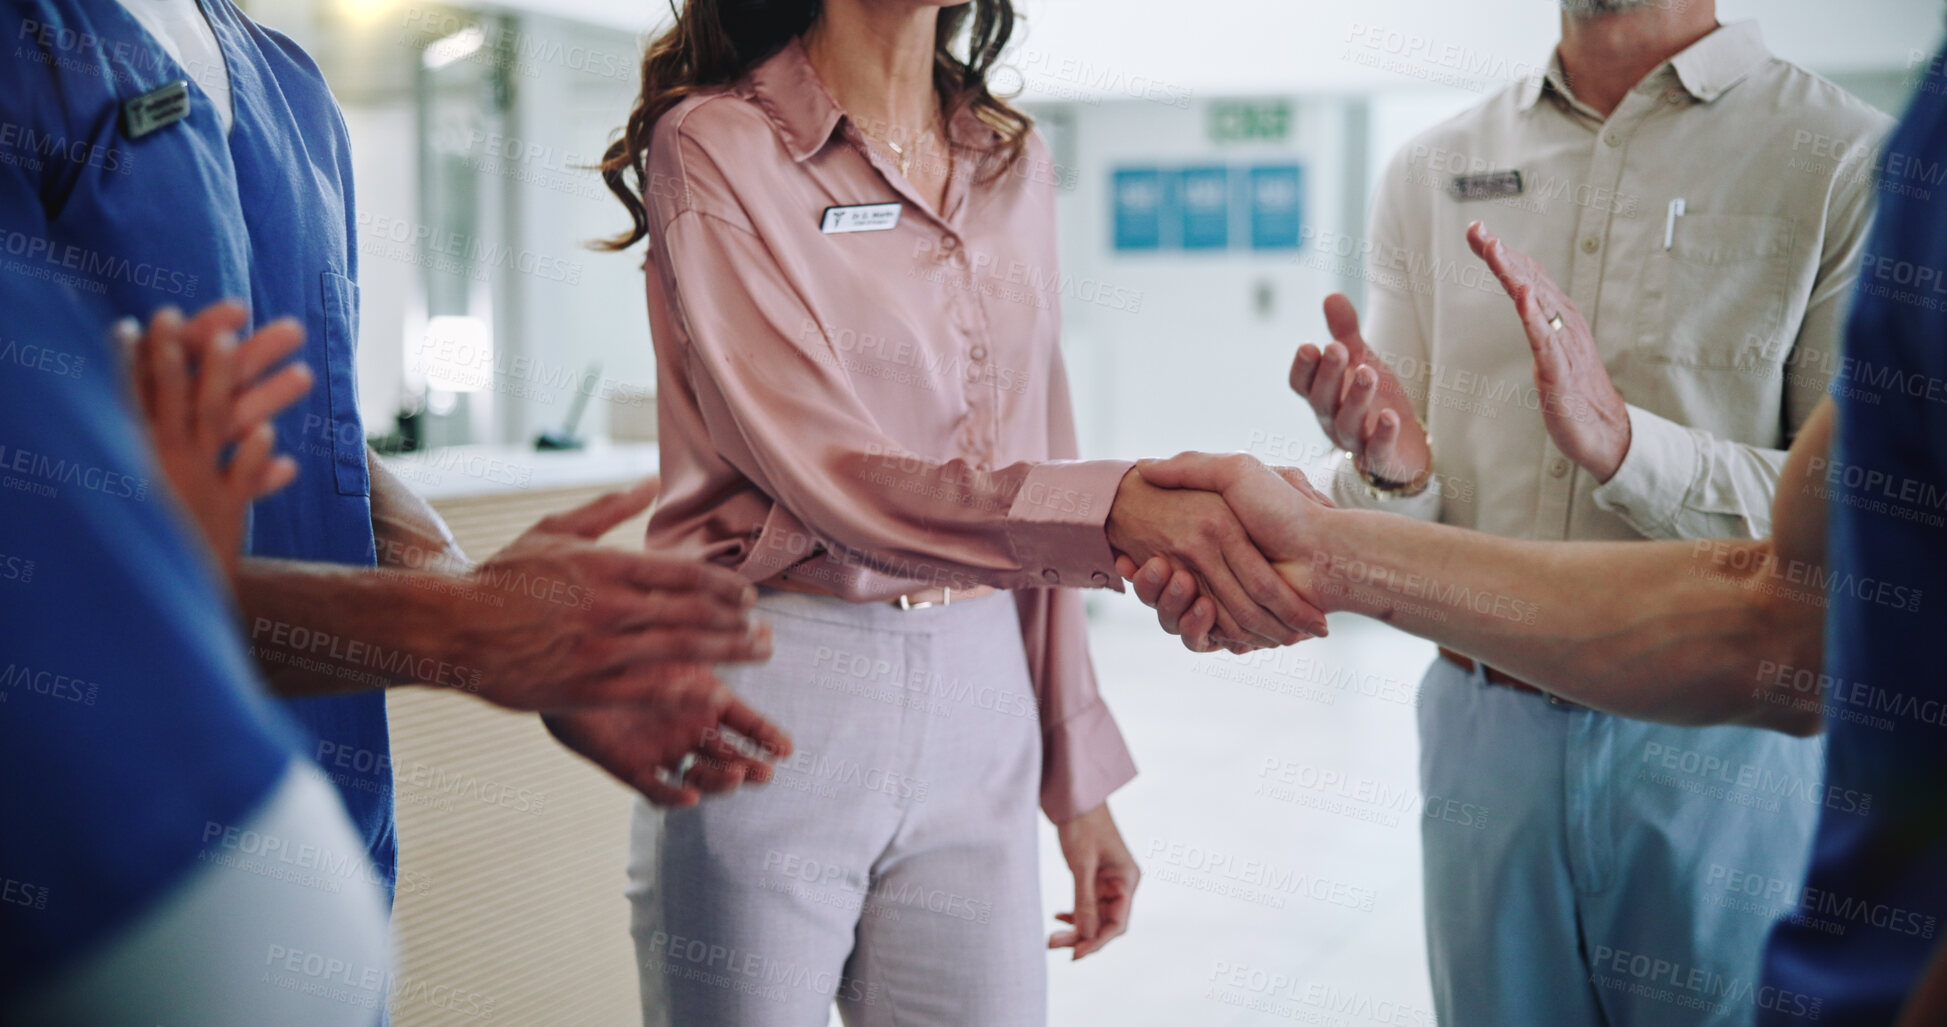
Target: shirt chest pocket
{"type": "Point", "coordinates": [341, 384]}
{"type": "Point", "coordinates": [1717, 297]}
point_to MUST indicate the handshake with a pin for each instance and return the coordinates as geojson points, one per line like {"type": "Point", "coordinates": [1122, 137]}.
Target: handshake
{"type": "Point", "coordinates": [1248, 568]}
{"type": "Point", "coordinates": [1240, 562]}
{"type": "Point", "coordinates": [1223, 547]}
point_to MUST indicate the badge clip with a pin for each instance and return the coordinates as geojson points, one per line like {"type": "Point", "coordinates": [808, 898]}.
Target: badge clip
{"type": "Point", "coordinates": [156, 109]}
{"type": "Point", "coordinates": [863, 217]}
{"type": "Point", "coordinates": [1495, 185]}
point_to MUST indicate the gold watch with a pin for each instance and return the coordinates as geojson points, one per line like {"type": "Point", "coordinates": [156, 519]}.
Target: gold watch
{"type": "Point", "coordinates": [1382, 488]}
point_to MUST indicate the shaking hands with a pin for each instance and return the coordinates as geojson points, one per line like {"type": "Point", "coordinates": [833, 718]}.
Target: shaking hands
{"type": "Point", "coordinates": [1365, 410]}
{"type": "Point", "coordinates": [1222, 570]}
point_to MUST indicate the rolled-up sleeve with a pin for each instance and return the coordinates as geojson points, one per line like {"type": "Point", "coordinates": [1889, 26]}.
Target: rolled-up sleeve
{"type": "Point", "coordinates": [1685, 483]}
{"type": "Point", "coordinates": [1678, 482]}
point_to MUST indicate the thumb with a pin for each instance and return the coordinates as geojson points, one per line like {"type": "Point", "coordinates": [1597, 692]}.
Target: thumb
{"type": "Point", "coordinates": [598, 517]}
{"type": "Point", "coordinates": [1480, 240]}
{"type": "Point", "coordinates": [1342, 320]}
{"type": "Point", "coordinates": [1185, 471]}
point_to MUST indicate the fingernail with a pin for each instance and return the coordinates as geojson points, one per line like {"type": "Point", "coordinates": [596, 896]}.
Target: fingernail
{"type": "Point", "coordinates": [1153, 575]}
{"type": "Point", "coordinates": [1178, 589]}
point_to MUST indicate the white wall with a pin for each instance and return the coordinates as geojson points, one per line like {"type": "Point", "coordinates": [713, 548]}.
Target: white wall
{"type": "Point", "coordinates": [1247, 46]}
{"type": "Point", "coordinates": [563, 114]}
{"type": "Point", "coordinates": [1229, 46]}
{"type": "Point", "coordinates": [380, 133]}
{"type": "Point", "coordinates": [1199, 364]}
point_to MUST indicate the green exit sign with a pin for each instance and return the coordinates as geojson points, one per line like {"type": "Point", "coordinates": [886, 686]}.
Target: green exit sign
{"type": "Point", "coordinates": [1257, 122]}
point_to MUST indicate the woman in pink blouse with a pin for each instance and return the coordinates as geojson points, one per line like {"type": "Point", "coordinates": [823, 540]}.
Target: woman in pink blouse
{"type": "Point", "coordinates": [854, 296]}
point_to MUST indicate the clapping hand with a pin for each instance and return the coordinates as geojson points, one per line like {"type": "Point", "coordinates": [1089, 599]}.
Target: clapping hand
{"type": "Point", "coordinates": [203, 392]}
{"type": "Point", "coordinates": [624, 677]}
{"type": "Point", "coordinates": [1585, 415]}
{"type": "Point", "coordinates": [696, 739]}
{"type": "Point", "coordinates": [1359, 403]}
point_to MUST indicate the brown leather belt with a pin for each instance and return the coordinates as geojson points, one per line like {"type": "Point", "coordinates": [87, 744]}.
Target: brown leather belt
{"type": "Point", "coordinates": [1504, 679]}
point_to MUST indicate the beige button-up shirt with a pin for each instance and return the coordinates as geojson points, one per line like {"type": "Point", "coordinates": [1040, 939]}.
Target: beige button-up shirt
{"type": "Point", "coordinates": [864, 397]}
{"type": "Point", "coordinates": [1710, 230]}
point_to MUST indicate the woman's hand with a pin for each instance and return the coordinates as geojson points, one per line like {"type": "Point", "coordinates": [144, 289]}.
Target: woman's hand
{"type": "Point", "coordinates": [1175, 594]}
{"type": "Point", "coordinates": [1199, 533]}
{"type": "Point", "coordinates": [1105, 882]}
{"type": "Point", "coordinates": [201, 391]}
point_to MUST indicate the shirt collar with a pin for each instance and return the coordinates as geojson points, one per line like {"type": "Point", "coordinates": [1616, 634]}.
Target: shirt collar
{"type": "Point", "coordinates": [1721, 60]}
{"type": "Point", "coordinates": [791, 93]}
{"type": "Point", "coordinates": [788, 88]}
{"type": "Point", "coordinates": [1707, 70]}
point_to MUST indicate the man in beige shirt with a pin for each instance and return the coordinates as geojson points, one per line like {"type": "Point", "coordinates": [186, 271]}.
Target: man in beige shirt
{"type": "Point", "coordinates": [1704, 204]}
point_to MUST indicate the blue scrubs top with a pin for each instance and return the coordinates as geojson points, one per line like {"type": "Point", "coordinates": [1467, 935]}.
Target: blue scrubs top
{"type": "Point", "coordinates": [1874, 909]}
{"type": "Point", "coordinates": [130, 718]}
{"type": "Point", "coordinates": [184, 215]}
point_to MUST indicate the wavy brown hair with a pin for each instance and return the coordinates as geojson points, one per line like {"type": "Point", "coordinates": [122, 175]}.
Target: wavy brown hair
{"type": "Point", "coordinates": [714, 42]}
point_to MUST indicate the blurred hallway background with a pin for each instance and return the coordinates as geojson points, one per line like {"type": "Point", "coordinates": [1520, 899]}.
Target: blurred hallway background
{"type": "Point", "coordinates": [1215, 162]}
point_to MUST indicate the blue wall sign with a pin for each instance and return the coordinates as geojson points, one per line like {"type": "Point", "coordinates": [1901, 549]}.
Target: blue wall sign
{"type": "Point", "coordinates": [1205, 207]}
{"type": "Point", "coordinates": [1208, 207]}
{"type": "Point", "coordinates": [1277, 206]}
{"type": "Point", "coordinates": [1138, 197]}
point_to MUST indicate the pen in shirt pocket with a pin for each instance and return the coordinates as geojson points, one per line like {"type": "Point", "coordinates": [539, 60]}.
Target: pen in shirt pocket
{"type": "Point", "coordinates": [1677, 207]}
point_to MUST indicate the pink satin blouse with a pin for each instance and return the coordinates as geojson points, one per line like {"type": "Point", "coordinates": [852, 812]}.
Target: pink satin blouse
{"type": "Point", "coordinates": [863, 397]}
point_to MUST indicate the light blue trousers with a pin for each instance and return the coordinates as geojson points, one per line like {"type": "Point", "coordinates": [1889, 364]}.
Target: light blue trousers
{"type": "Point", "coordinates": [1626, 874]}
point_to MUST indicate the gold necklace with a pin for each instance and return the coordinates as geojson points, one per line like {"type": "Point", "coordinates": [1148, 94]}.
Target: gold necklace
{"type": "Point", "coordinates": [901, 157]}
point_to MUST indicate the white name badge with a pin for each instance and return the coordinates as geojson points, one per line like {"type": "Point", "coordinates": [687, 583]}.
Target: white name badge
{"type": "Point", "coordinates": [866, 217]}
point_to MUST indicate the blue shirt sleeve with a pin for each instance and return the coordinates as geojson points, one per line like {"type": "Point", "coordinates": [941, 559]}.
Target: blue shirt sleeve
{"type": "Point", "coordinates": [130, 723]}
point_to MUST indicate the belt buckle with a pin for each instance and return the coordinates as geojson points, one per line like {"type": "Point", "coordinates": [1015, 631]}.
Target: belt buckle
{"type": "Point", "coordinates": [906, 601]}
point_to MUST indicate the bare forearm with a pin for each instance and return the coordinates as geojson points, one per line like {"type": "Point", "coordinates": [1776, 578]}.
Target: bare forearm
{"type": "Point", "coordinates": [322, 629]}
{"type": "Point", "coordinates": [407, 531]}
{"type": "Point", "coordinates": [1678, 632]}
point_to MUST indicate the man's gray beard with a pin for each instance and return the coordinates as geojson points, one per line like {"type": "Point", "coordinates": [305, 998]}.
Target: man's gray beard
{"type": "Point", "coordinates": [1592, 8]}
